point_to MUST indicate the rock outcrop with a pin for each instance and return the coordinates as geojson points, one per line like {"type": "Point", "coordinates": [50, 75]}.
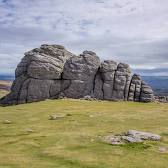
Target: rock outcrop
{"type": "Point", "coordinates": [131, 136]}
{"type": "Point", "coordinates": [161, 99]}
{"type": "Point", "coordinates": [51, 72]}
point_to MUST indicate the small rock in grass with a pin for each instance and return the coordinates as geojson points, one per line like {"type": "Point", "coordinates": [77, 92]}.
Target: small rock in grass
{"type": "Point", "coordinates": [131, 136]}
{"type": "Point", "coordinates": [113, 140]}
{"type": "Point", "coordinates": [29, 130]}
{"type": "Point", "coordinates": [7, 122]}
{"type": "Point", "coordinates": [162, 149]}
{"type": "Point", "coordinates": [55, 117]}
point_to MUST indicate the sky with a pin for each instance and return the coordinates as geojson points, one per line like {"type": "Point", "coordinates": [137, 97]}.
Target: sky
{"type": "Point", "coordinates": [129, 31]}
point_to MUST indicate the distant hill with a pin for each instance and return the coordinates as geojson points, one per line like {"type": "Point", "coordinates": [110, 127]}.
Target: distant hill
{"type": "Point", "coordinates": [5, 82]}
{"type": "Point", "coordinates": [158, 83]}
{"type": "Point", "coordinates": [7, 77]}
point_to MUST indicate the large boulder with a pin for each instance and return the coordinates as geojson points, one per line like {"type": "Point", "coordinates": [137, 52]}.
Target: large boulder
{"type": "Point", "coordinates": [80, 71]}
{"type": "Point", "coordinates": [107, 69]}
{"type": "Point", "coordinates": [37, 73]}
{"type": "Point", "coordinates": [46, 62]}
{"type": "Point", "coordinates": [52, 72]}
{"type": "Point", "coordinates": [122, 82]}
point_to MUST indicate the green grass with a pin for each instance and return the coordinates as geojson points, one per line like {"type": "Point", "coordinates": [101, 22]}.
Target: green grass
{"type": "Point", "coordinates": [73, 141]}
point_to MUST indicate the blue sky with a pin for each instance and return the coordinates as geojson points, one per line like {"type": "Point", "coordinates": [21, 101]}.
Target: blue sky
{"type": "Point", "coordinates": [131, 31]}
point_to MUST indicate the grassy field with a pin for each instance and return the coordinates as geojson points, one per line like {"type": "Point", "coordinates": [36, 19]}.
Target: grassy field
{"type": "Point", "coordinates": [34, 141]}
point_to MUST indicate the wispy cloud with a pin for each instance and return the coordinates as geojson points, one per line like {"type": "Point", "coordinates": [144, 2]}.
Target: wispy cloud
{"type": "Point", "coordinates": [132, 31]}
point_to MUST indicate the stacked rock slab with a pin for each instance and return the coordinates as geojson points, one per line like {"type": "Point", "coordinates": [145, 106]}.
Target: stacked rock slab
{"type": "Point", "coordinates": [51, 72]}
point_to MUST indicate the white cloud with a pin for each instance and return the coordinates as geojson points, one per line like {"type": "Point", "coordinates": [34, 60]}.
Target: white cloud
{"type": "Point", "coordinates": [132, 31]}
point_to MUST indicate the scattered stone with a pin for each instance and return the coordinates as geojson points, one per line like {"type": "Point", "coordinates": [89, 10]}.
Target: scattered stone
{"type": "Point", "coordinates": [55, 117]}
{"type": "Point", "coordinates": [131, 136]}
{"type": "Point", "coordinates": [114, 140]}
{"type": "Point", "coordinates": [88, 97]}
{"type": "Point", "coordinates": [131, 139]}
{"type": "Point", "coordinates": [163, 149]}
{"type": "Point", "coordinates": [143, 135]}
{"type": "Point", "coordinates": [52, 72]}
{"type": "Point", "coordinates": [161, 99]}
{"type": "Point", "coordinates": [7, 122]}
{"type": "Point", "coordinates": [29, 130]}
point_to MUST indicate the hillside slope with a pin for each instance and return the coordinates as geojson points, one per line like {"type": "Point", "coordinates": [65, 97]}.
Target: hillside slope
{"type": "Point", "coordinates": [158, 83]}
{"type": "Point", "coordinates": [32, 140]}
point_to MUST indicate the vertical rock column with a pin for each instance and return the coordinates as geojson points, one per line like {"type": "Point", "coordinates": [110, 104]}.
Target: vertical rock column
{"type": "Point", "coordinates": [107, 70]}
{"type": "Point", "coordinates": [135, 88]}
{"type": "Point", "coordinates": [81, 71]}
{"type": "Point", "coordinates": [98, 87]}
{"type": "Point", "coordinates": [146, 94]}
{"type": "Point", "coordinates": [121, 82]}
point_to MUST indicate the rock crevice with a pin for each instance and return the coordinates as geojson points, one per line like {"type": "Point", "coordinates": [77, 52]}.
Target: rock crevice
{"type": "Point", "coordinates": [52, 72]}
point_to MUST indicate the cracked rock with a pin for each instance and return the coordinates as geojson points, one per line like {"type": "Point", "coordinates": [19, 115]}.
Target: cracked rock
{"type": "Point", "coordinates": [51, 72]}
{"type": "Point", "coordinates": [131, 136]}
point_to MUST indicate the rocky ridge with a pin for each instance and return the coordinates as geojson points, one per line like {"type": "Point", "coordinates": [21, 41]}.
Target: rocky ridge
{"type": "Point", "coordinates": [51, 72]}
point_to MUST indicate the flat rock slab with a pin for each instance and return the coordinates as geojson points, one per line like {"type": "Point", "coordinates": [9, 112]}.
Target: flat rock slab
{"type": "Point", "coordinates": [143, 135]}
{"type": "Point", "coordinates": [131, 136]}
{"type": "Point", "coordinates": [56, 117]}
{"type": "Point", "coordinates": [131, 139]}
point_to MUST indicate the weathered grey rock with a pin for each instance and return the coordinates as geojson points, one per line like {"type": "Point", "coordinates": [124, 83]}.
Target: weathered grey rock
{"type": "Point", "coordinates": [131, 136]}
{"type": "Point", "coordinates": [130, 139]}
{"type": "Point", "coordinates": [88, 97]}
{"type": "Point", "coordinates": [161, 99]}
{"type": "Point", "coordinates": [46, 62]}
{"type": "Point", "coordinates": [81, 71]}
{"type": "Point", "coordinates": [55, 117]}
{"type": "Point", "coordinates": [135, 88]}
{"type": "Point", "coordinates": [113, 140]}
{"type": "Point", "coordinates": [53, 72]}
{"type": "Point", "coordinates": [146, 94]}
{"type": "Point", "coordinates": [121, 82]}
{"type": "Point", "coordinates": [98, 87]}
{"type": "Point", "coordinates": [143, 135]}
{"type": "Point", "coordinates": [107, 70]}
{"type": "Point", "coordinates": [37, 73]}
